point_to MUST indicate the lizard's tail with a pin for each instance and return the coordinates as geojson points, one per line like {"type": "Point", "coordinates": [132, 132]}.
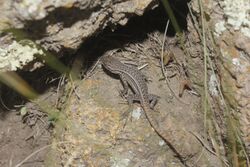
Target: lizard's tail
{"type": "Point", "coordinates": [166, 136]}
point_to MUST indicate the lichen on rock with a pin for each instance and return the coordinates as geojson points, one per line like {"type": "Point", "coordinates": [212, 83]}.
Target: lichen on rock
{"type": "Point", "coordinates": [17, 55]}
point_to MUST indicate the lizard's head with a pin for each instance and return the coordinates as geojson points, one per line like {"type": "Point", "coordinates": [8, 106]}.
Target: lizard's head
{"type": "Point", "coordinates": [109, 62]}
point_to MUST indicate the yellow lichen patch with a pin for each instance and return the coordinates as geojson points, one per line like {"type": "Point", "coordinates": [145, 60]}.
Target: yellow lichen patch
{"type": "Point", "coordinates": [91, 127]}
{"type": "Point", "coordinates": [17, 55]}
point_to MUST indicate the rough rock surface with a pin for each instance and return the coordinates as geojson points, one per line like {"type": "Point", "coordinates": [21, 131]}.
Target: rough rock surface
{"type": "Point", "coordinates": [62, 25]}
{"type": "Point", "coordinates": [102, 130]}
{"type": "Point", "coordinates": [229, 24]}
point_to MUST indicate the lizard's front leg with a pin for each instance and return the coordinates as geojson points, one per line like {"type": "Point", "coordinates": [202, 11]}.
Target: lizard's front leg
{"type": "Point", "coordinates": [124, 92]}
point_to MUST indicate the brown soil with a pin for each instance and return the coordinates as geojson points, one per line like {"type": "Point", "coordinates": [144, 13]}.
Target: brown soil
{"type": "Point", "coordinates": [25, 131]}
{"type": "Point", "coordinates": [18, 141]}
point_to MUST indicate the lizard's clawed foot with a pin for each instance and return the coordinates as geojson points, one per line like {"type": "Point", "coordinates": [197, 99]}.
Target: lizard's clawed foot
{"type": "Point", "coordinates": [153, 99]}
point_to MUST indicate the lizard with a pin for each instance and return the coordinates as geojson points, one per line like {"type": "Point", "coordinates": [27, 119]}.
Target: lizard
{"type": "Point", "coordinates": [131, 76]}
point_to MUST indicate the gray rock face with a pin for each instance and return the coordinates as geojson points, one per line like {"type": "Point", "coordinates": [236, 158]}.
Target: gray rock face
{"type": "Point", "coordinates": [56, 25]}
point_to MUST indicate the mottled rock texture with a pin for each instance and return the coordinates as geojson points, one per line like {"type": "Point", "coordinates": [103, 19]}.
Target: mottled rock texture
{"type": "Point", "coordinates": [59, 25]}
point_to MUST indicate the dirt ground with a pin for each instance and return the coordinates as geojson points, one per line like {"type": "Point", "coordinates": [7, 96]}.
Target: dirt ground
{"type": "Point", "coordinates": [18, 141]}
{"type": "Point", "coordinates": [25, 131]}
